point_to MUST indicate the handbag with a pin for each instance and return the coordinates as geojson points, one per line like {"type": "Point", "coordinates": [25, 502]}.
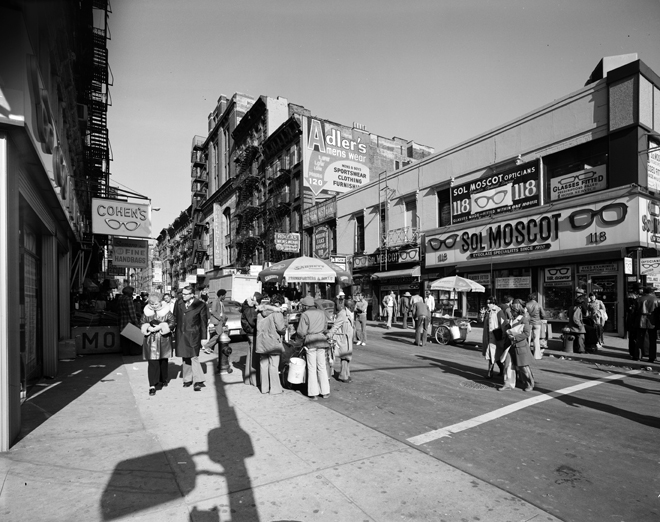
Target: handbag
{"type": "Point", "coordinates": [498, 334]}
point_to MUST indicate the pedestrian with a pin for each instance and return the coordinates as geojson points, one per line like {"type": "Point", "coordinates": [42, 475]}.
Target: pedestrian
{"type": "Point", "coordinates": [361, 305]}
{"type": "Point", "coordinates": [157, 325]}
{"type": "Point", "coordinates": [127, 315]}
{"type": "Point", "coordinates": [192, 318]}
{"type": "Point", "coordinates": [405, 309]}
{"type": "Point", "coordinates": [630, 318]}
{"type": "Point", "coordinates": [217, 320]}
{"type": "Point", "coordinates": [507, 301]}
{"type": "Point", "coordinates": [341, 336]}
{"type": "Point", "coordinates": [422, 316]}
{"type": "Point", "coordinates": [249, 325]}
{"type": "Point", "coordinates": [598, 314]}
{"type": "Point", "coordinates": [536, 316]}
{"type": "Point", "coordinates": [575, 325]}
{"type": "Point", "coordinates": [430, 301]}
{"type": "Point", "coordinates": [645, 316]}
{"type": "Point", "coordinates": [518, 356]}
{"type": "Point", "coordinates": [270, 328]}
{"type": "Point", "coordinates": [312, 327]}
{"type": "Point", "coordinates": [389, 306]}
{"type": "Point", "coordinates": [167, 302]}
{"type": "Point", "coordinates": [493, 336]}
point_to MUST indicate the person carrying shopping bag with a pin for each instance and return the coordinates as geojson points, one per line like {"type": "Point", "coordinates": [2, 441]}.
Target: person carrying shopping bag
{"type": "Point", "coordinates": [270, 328]}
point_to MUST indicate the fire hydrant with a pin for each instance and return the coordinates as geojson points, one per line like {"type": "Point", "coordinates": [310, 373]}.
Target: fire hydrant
{"type": "Point", "coordinates": [224, 351]}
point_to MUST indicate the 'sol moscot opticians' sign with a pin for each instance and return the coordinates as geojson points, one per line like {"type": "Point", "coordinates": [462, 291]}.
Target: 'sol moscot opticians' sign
{"type": "Point", "coordinates": [512, 189]}
{"type": "Point", "coordinates": [121, 218]}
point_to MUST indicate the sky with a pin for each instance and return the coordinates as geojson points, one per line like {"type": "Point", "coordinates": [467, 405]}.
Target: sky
{"type": "Point", "coordinates": [437, 72]}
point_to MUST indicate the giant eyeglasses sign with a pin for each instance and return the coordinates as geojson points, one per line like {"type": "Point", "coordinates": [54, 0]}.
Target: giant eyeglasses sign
{"type": "Point", "coordinates": [506, 191]}
{"type": "Point", "coordinates": [114, 217]}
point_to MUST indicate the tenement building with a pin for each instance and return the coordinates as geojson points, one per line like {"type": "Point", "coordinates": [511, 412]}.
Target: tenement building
{"type": "Point", "coordinates": [564, 197]}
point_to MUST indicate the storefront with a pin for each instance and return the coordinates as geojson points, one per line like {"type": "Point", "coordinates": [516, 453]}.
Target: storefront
{"type": "Point", "coordinates": [376, 275]}
{"type": "Point", "coordinates": [583, 243]}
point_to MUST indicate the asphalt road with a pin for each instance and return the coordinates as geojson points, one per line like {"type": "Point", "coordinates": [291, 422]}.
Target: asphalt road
{"type": "Point", "coordinates": [586, 454]}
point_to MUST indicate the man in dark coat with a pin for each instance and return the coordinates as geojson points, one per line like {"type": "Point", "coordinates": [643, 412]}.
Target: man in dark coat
{"type": "Point", "coordinates": [645, 318]}
{"type": "Point", "coordinates": [128, 314]}
{"type": "Point", "coordinates": [405, 309]}
{"type": "Point", "coordinates": [192, 320]}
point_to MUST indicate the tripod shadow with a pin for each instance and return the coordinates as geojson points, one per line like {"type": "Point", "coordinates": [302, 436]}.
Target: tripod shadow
{"type": "Point", "coordinates": [149, 481]}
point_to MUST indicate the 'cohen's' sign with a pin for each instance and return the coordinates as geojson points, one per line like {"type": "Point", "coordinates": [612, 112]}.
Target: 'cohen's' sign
{"type": "Point", "coordinates": [121, 218]}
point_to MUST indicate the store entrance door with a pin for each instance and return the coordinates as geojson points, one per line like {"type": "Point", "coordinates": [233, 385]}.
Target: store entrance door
{"type": "Point", "coordinates": [605, 288]}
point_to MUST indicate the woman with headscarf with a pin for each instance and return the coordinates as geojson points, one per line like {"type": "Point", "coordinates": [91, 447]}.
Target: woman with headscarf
{"type": "Point", "coordinates": [493, 336]}
{"type": "Point", "coordinates": [517, 354]}
{"type": "Point", "coordinates": [157, 324]}
{"type": "Point", "coordinates": [341, 334]}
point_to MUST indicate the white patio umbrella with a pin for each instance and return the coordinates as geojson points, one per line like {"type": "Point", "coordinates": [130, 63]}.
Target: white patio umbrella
{"type": "Point", "coordinates": [456, 284]}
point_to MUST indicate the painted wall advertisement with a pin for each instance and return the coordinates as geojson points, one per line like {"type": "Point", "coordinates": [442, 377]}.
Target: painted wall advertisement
{"type": "Point", "coordinates": [619, 222]}
{"type": "Point", "coordinates": [579, 182]}
{"type": "Point", "coordinates": [335, 158]}
{"type": "Point", "coordinates": [512, 189]}
{"type": "Point", "coordinates": [114, 217]}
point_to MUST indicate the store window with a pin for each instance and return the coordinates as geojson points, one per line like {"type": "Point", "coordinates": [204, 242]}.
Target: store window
{"type": "Point", "coordinates": [576, 171]}
{"type": "Point", "coordinates": [411, 213]}
{"type": "Point", "coordinates": [516, 282]}
{"type": "Point", "coordinates": [444, 208]}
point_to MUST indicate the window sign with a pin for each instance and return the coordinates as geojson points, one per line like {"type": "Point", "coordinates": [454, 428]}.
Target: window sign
{"type": "Point", "coordinates": [578, 183]}
{"type": "Point", "coordinates": [558, 275]}
{"type": "Point", "coordinates": [653, 167]}
{"type": "Point", "coordinates": [513, 282]}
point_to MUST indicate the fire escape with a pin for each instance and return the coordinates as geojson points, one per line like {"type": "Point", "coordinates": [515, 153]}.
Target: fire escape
{"type": "Point", "coordinates": [247, 206]}
{"type": "Point", "coordinates": [199, 190]}
{"type": "Point", "coordinates": [97, 99]}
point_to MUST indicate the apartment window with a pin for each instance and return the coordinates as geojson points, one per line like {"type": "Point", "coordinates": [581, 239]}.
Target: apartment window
{"type": "Point", "coordinates": [444, 208]}
{"type": "Point", "coordinates": [397, 164]}
{"type": "Point", "coordinates": [359, 234]}
{"type": "Point", "coordinates": [225, 155]}
{"type": "Point", "coordinates": [411, 213]}
{"type": "Point", "coordinates": [296, 187]}
{"type": "Point", "coordinates": [216, 166]}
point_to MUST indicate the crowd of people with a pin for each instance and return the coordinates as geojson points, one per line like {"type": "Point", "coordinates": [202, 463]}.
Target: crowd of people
{"type": "Point", "coordinates": [185, 325]}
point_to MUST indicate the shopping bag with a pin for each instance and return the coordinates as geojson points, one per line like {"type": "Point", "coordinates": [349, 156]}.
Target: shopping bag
{"type": "Point", "coordinates": [133, 333]}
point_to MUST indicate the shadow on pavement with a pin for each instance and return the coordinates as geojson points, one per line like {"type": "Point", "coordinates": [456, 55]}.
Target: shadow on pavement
{"type": "Point", "coordinates": [159, 477]}
{"type": "Point", "coordinates": [74, 377]}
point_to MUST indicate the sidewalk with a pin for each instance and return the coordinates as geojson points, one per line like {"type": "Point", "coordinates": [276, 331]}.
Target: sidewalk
{"type": "Point", "coordinates": [100, 448]}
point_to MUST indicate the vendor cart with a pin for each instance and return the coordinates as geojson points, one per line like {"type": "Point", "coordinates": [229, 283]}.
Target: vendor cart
{"type": "Point", "coordinates": [447, 329]}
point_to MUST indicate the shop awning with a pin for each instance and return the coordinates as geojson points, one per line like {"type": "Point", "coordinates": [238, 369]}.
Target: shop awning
{"type": "Point", "coordinates": [409, 272]}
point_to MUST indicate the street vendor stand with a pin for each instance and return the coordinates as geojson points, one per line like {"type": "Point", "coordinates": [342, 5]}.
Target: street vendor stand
{"type": "Point", "coordinates": [449, 328]}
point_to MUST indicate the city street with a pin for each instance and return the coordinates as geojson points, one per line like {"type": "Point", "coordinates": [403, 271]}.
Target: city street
{"type": "Point", "coordinates": [418, 435]}
{"type": "Point", "coordinates": [587, 455]}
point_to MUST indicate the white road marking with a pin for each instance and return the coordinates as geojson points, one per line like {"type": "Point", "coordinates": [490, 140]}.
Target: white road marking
{"type": "Point", "coordinates": [74, 373]}
{"type": "Point", "coordinates": [511, 408]}
{"type": "Point", "coordinates": [44, 390]}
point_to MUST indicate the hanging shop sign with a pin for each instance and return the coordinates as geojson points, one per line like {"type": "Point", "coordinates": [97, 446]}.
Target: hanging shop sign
{"type": "Point", "coordinates": [578, 183]}
{"type": "Point", "coordinates": [319, 213]}
{"type": "Point", "coordinates": [650, 267]}
{"type": "Point", "coordinates": [653, 166]}
{"type": "Point", "coordinates": [513, 282]}
{"type": "Point", "coordinates": [114, 217]}
{"type": "Point", "coordinates": [340, 261]}
{"type": "Point", "coordinates": [218, 237]}
{"type": "Point", "coordinates": [558, 276]}
{"type": "Point", "coordinates": [115, 271]}
{"type": "Point", "coordinates": [335, 158]}
{"type": "Point", "coordinates": [287, 242]}
{"type": "Point", "coordinates": [130, 253]}
{"type": "Point", "coordinates": [157, 275]}
{"type": "Point", "coordinates": [620, 222]}
{"type": "Point", "coordinates": [513, 189]}
{"type": "Point", "coordinates": [322, 242]}
{"type": "Point", "coordinates": [390, 257]}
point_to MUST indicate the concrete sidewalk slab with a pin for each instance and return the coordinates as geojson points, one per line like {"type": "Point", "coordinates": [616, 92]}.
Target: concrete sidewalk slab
{"type": "Point", "coordinates": [226, 453]}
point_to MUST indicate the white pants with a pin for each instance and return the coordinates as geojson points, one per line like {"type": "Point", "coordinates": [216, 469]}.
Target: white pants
{"type": "Point", "coordinates": [317, 373]}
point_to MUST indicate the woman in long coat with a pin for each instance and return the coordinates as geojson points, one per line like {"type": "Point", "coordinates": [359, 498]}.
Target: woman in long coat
{"type": "Point", "coordinates": [270, 328]}
{"type": "Point", "coordinates": [492, 340]}
{"type": "Point", "coordinates": [341, 334]}
{"type": "Point", "coordinates": [157, 324]}
{"type": "Point", "coordinates": [518, 355]}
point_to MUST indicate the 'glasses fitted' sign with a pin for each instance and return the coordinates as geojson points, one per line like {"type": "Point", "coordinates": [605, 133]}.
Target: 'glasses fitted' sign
{"type": "Point", "coordinates": [512, 189]}
{"type": "Point", "coordinates": [114, 217]}
{"type": "Point", "coordinates": [578, 183]}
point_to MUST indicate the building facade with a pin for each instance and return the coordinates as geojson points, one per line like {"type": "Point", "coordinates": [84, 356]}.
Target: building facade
{"type": "Point", "coordinates": [560, 198]}
{"type": "Point", "coordinates": [54, 157]}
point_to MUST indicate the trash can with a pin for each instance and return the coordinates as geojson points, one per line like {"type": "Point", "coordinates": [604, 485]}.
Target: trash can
{"type": "Point", "coordinates": [568, 340]}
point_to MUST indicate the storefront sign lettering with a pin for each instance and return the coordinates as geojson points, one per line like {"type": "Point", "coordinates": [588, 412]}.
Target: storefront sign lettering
{"type": "Point", "coordinates": [511, 234]}
{"type": "Point", "coordinates": [513, 189]}
{"type": "Point", "coordinates": [395, 256]}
